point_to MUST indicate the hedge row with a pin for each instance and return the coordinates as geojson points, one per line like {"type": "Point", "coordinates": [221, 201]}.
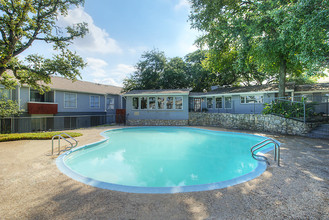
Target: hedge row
{"type": "Point", "coordinates": [34, 136]}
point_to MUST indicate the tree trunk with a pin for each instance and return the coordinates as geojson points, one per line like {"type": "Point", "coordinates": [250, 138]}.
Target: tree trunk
{"type": "Point", "coordinates": [282, 78]}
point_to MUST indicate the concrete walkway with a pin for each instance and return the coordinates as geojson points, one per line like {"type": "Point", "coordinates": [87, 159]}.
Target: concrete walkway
{"type": "Point", "coordinates": [31, 187]}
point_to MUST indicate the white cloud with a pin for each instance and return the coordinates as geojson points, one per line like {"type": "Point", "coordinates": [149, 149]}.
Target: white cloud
{"type": "Point", "coordinates": [120, 72]}
{"type": "Point", "coordinates": [101, 73]}
{"type": "Point", "coordinates": [97, 67]}
{"type": "Point", "coordinates": [97, 40]}
{"type": "Point", "coordinates": [182, 4]}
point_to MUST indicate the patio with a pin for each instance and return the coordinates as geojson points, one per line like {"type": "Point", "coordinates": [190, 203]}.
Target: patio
{"type": "Point", "coordinates": [33, 188]}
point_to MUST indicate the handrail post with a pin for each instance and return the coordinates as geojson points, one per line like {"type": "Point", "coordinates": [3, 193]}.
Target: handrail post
{"type": "Point", "coordinates": [59, 142]}
{"type": "Point", "coordinates": [304, 111]}
{"type": "Point", "coordinates": [52, 146]}
{"type": "Point", "coordinates": [263, 144]}
{"type": "Point", "coordinates": [278, 155]}
{"type": "Point", "coordinates": [59, 145]}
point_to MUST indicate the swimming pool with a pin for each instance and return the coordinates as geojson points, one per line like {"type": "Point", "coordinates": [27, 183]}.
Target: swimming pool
{"type": "Point", "coordinates": [164, 160]}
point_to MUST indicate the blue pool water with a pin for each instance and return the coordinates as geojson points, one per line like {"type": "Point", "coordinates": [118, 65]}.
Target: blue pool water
{"type": "Point", "coordinates": [164, 159]}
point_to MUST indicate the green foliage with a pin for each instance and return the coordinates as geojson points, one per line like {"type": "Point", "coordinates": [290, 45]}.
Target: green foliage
{"type": "Point", "coordinates": [288, 109]}
{"type": "Point", "coordinates": [156, 71]}
{"type": "Point", "coordinates": [275, 37]}
{"type": "Point", "coordinates": [200, 77]}
{"type": "Point", "coordinates": [149, 71]}
{"type": "Point", "coordinates": [26, 21]}
{"type": "Point", "coordinates": [8, 107]}
{"type": "Point", "coordinates": [34, 136]}
{"type": "Point", "coordinates": [175, 74]}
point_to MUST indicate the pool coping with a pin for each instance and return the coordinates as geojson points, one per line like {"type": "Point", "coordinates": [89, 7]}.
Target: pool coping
{"type": "Point", "coordinates": [261, 167]}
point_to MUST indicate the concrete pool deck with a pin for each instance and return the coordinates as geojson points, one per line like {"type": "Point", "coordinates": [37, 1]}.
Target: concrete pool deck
{"type": "Point", "coordinates": [31, 187]}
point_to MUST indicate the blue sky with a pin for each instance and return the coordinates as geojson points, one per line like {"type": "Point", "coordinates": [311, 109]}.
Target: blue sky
{"type": "Point", "coordinates": [120, 31]}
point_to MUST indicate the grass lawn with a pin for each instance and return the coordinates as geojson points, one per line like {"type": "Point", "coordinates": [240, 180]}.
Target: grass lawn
{"type": "Point", "coordinates": [34, 136]}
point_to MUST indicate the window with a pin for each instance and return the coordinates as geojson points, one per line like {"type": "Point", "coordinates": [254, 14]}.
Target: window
{"type": "Point", "coordinates": [209, 102]}
{"type": "Point", "coordinates": [35, 96]}
{"type": "Point", "coordinates": [143, 102]}
{"type": "Point", "coordinates": [219, 102]}
{"type": "Point", "coordinates": [325, 98]}
{"type": "Point", "coordinates": [228, 102]}
{"type": "Point", "coordinates": [94, 101]}
{"type": "Point", "coordinates": [170, 102]}
{"type": "Point", "coordinates": [110, 103]}
{"type": "Point", "coordinates": [178, 102]}
{"type": "Point", "coordinates": [251, 99]}
{"type": "Point", "coordinates": [135, 103]}
{"type": "Point", "coordinates": [157, 102]}
{"type": "Point", "coordinates": [4, 93]}
{"type": "Point", "coordinates": [152, 103]}
{"type": "Point", "coordinates": [70, 100]}
{"type": "Point", "coordinates": [161, 102]}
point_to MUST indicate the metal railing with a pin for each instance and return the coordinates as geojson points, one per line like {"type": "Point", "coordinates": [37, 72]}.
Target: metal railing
{"type": "Point", "coordinates": [313, 108]}
{"type": "Point", "coordinates": [56, 123]}
{"type": "Point", "coordinates": [60, 136]}
{"type": "Point", "coordinates": [262, 144]}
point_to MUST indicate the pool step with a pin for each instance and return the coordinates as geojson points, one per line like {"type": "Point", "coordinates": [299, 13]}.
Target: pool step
{"type": "Point", "coordinates": [322, 131]}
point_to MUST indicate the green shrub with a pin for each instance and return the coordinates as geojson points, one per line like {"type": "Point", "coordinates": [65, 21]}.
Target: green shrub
{"type": "Point", "coordinates": [34, 136]}
{"type": "Point", "coordinates": [289, 109]}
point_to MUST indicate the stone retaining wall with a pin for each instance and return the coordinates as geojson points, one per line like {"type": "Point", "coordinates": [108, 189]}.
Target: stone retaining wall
{"type": "Point", "coordinates": [157, 122]}
{"type": "Point", "coordinates": [255, 122]}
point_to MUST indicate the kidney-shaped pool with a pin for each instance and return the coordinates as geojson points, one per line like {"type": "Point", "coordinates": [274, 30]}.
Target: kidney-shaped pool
{"type": "Point", "coordinates": [164, 160]}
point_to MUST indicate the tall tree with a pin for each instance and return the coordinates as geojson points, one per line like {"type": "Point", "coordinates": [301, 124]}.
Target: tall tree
{"type": "Point", "coordinates": [23, 22]}
{"type": "Point", "coordinates": [148, 72]}
{"type": "Point", "coordinates": [175, 75]}
{"type": "Point", "coordinates": [201, 78]}
{"type": "Point", "coordinates": [280, 37]}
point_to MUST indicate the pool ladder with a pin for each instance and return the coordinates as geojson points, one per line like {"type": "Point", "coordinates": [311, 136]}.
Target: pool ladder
{"type": "Point", "coordinates": [263, 144]}
{"type": "Point", "coordinates": [60, 136]}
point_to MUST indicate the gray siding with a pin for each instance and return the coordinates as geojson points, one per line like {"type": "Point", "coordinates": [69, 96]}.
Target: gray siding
{"type": "Point", "coordinates": [117, 104]}
{"type": "Point", "coordinates": [237, 107]}
{"type": "Point", "coordinates": [83, 103]}
{"type": "Point", "coordinates": [157, 114]}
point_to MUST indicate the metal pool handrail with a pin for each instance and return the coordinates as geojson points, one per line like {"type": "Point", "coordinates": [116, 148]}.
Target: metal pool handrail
{"type": "Point", "coordinates": [60, 136]}
{"type": "Point", "coordinates": [263, 144]}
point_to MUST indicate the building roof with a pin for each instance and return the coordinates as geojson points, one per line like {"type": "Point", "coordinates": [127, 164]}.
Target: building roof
{"type": "Point", "coordinates": [245, 89]}
{"type": "Point", "coordinates": [158, 92]}
{"type": "Point", "coordinates": [60, 83]}
{"type": "Point", "coordinates": [312, 87]}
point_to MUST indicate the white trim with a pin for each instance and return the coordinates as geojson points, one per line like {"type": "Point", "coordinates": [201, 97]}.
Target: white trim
{"type": "Point", "coordinates": [212, 102]}
{"type": "Point", "coordinates": [251, 103]}
{"type": "Point", "coordinates": [109, 104]}
{"type": "Point", "coordinates": [156, 94]}
{"type": "Point", "coordinates": [225, 102]}
{"type": "Point", "coordinates": [43, 102]}
{"type": "Point", "coordinates": [99, 102]}
{"type": "Point", "coordinates": [222, 107]}
{"type": "Point", "coordinates": [132, 103]}
{"type": "Point", "coordinates": [175, 102]}
{"type": "Point", "coordinates": [313, 91]}
{"type": "Point", "coordinates": [241, 93]}
{"type": "Point", "coordinates": [156, 103]}
{"type": "Point", "coordinates": [76, 99]}
{"type": "Point", "coordinates": [29, 93]}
